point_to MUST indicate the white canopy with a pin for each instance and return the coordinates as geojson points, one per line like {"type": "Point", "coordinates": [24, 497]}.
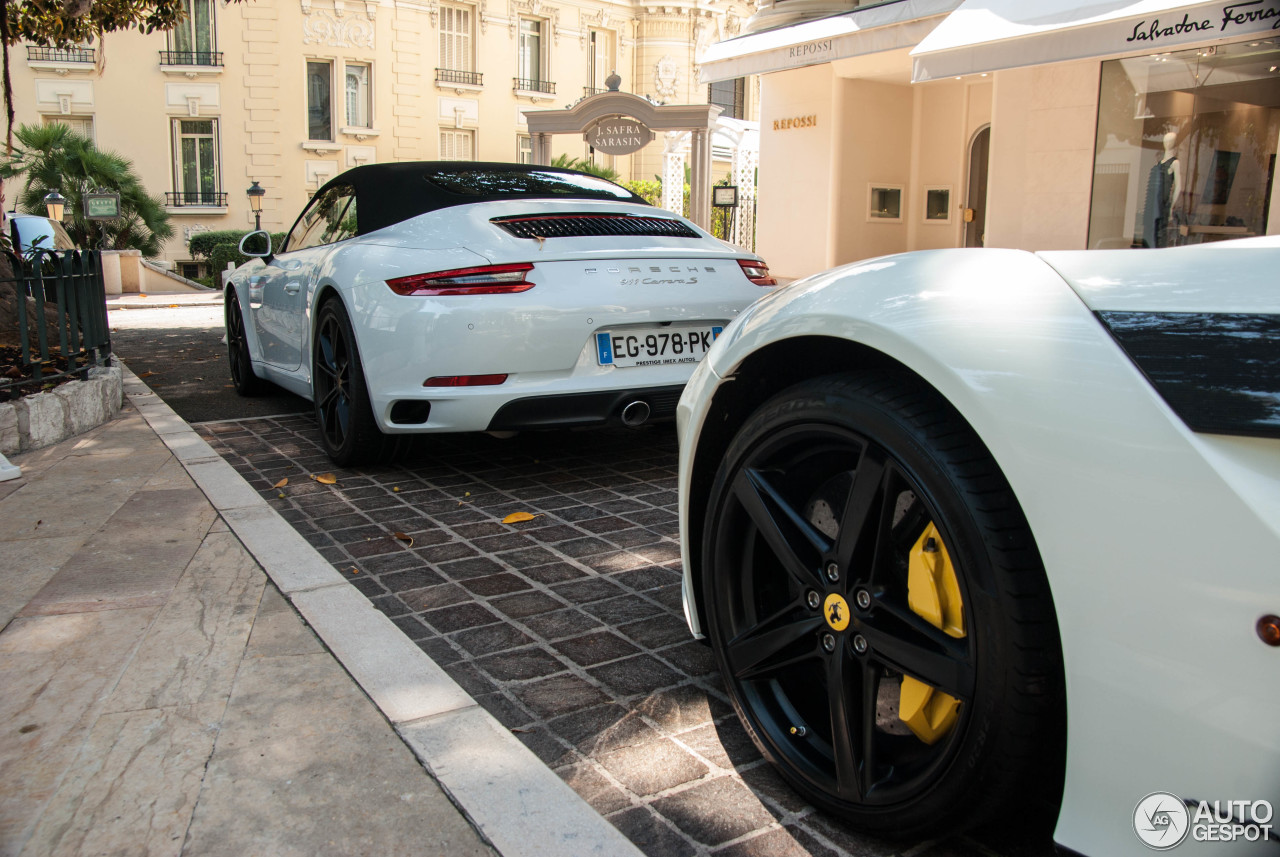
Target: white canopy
{"type": "Point", "coordinates": [884, 27]}
{"type": "Point", "coordinates": [989, 35]}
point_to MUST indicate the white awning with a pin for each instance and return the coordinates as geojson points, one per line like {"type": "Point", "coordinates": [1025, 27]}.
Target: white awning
{"type": "Point", "coordinates": [885, 27]}
{"type": "Point", "coordinates": [989, 35]}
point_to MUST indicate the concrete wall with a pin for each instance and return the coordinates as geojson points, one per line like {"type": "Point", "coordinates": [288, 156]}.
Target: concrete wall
{"type": "Point", "coordinates": [796, 192]}
{"type": "Point", "coordinates": [1043, 129]}
{"type": "Point", "coordinates": [947, 115]}
{"type": "Point", "coordinates": [874, 144]}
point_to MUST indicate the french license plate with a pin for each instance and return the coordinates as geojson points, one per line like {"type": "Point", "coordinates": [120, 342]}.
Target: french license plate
{"type": "Point", "coordinates": [655, 346]}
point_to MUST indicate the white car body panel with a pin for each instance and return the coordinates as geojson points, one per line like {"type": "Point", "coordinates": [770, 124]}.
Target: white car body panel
{"type": "Point", "coordinates": [542, 338]}
{"type": "Point", "coordinates": [1160, 544]}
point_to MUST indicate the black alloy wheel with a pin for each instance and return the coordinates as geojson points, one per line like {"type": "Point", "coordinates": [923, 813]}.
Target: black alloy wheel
{"type": "Point", "coordinates": [348, 431]}
{"type": "Point", "coordinates": [878, 607]}
{"type": "Point", "coordinates": [246, 382]}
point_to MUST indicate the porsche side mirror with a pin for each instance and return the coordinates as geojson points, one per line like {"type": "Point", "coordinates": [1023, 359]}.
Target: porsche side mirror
{"type": "Point", "coordinates": [256, 244]}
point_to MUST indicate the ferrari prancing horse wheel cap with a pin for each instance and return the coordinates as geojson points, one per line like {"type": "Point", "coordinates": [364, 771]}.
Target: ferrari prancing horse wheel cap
{"type": "Point", "coordinates": [836, 611]}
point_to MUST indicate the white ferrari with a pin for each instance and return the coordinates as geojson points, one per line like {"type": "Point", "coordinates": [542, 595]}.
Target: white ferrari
{"type": "Point", "coordinates": [461, 296]}
{"type": "Point", "coordinates": [968, 527]}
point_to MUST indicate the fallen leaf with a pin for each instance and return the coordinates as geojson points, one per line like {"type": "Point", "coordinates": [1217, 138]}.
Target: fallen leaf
{"type": "Point", "coordinates": [396, 489]}
{"type": "Point", "coordinates": [326, 479]}
{"type": "Point", "coordinates": [146, 374]}
{"type": "Point", "coordinates": [280, 495]}
{"type": "Point", "coordinates": [355, 570]}
{"type": "Point", "coordinates": [520, 731]}
{"type": "Point", "coordinates": [402, 537]}
{"type": "Point", "coordinates": [199, 379]}
{"type": "Point", "coordinates": [283, 482]}
{"type": "Point", "coordinates": [142, 296]}
{"type": "Point", "coordinates": [173, 306]}
{"type": "Point", "coordinates": [38, 523]}
{"type": "Point", "coordinates": [518, 517]}
{"type": "Point", "coordinates": [468, 494]}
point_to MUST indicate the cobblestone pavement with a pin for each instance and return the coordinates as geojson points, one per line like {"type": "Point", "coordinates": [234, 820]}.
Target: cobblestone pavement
{"type": "Point", "coordinates": [568, 628]}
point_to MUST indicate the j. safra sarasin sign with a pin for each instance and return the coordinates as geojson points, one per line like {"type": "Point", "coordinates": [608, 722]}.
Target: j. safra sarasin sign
{"type": "Point", "coordinates": [618, 135]}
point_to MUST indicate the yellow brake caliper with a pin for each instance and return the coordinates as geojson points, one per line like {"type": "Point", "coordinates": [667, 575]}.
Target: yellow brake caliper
{"type": "Point", "coordinates": [934, 594]}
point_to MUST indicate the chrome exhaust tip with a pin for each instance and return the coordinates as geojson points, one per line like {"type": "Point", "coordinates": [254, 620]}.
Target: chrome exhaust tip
{"type": "Point", "coordinates": [635, 414]}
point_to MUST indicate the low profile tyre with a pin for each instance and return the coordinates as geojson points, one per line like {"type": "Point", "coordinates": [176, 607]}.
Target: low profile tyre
{"type": "Point", "coordinates": [879, 611]}
{"type": "Point", "coordinates": [348, 431]}
{"type": "Point", "coordinates": [246, 383]}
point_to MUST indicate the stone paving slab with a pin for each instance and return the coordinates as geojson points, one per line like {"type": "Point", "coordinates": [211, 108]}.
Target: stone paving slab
{"type": "Point", "coordinates": [210, 720]}
{"type": "Point", "coordinates": [567, 628]}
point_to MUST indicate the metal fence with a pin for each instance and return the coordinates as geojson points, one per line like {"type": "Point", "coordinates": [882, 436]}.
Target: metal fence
{"type": "Point", "coordinates": [60, 314]}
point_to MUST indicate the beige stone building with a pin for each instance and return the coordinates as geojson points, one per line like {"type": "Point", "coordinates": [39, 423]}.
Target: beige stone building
{"type": "Point", "coordinates": [289, 93]}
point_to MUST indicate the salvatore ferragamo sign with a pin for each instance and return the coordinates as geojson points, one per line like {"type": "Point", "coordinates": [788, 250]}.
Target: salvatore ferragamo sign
{"type": "Point", "coordinates": [618, 135]}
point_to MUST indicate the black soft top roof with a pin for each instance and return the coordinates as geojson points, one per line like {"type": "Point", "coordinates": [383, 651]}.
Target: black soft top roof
{"type": "Point", "coordinates": [390, 193]}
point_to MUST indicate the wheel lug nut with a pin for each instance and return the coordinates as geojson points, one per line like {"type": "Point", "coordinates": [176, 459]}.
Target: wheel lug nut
{"type": "Point", "coordinates": [833, 572]}
{"type": "Point", "coordinates": [814, 599]}
{"type": "Point", "coordinates": [829, 642]}
{"type": "Point", "coordinates": [860, 644]}
{"type": "Point", "coordinates": [863, 598]}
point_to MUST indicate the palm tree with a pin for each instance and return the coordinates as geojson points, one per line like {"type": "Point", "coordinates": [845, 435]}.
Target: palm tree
{"type": "Point", "coordinates": [584, 165]}
{"type": "Point", "coordinates": [53, 157]}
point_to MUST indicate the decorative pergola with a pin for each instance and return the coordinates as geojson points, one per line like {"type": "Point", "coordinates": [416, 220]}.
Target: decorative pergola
{"type": "Point", "coordinates": [698, 119]}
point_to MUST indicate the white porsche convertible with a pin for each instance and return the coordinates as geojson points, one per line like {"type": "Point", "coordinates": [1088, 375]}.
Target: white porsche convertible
{"type": "Point", "coordinates": [970, 526]}
{"type": "Point", "coordinates": [460, 296]}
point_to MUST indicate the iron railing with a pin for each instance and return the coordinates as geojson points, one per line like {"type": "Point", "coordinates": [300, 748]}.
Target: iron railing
{"type": "Point", "coordinates": [42, 54]}
{"type": "Point", "coordinates": [588, 91]}
{"type": "Point", "coordinates": [470, 78]}
{"type": "Point", "coordinates": [213, 58]}
{"type": "Point", "coordinates": [178, 198]}
{"type": "Point", "coordinates": [525, 84]}
{"type": "Point", "coordinates": [72, 339]}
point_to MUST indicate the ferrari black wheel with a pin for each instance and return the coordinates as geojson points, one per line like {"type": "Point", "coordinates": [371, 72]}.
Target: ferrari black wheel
{"type": "Point", "coordinates": [348, 431]}
{"type": "Point", "coordinates": [246, 383]}
{"type": "Point", "coordinates": [878, 607]}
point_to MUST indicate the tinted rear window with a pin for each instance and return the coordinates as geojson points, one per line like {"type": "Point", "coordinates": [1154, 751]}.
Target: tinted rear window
{"type": "Point", "coordinates": [493, 184]}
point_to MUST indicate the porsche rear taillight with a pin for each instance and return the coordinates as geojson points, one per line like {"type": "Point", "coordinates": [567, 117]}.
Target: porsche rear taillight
{"type": "Point", "coordinates": [486, 280]}
{"type": "Point", "coordinates": [757, 272]}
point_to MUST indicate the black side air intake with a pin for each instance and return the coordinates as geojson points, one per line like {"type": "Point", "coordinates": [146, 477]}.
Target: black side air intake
{"type": "Point", "coordinates": [1220, 372]}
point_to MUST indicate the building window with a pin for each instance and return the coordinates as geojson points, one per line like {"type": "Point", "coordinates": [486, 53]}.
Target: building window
{"type": "Point", "coordinates": [359, 112]}
{"type": "Point", "coordinates": [82, 125]}
{"type": "Point", "coordinates": [530, 60]}
{"type": "Point", "coordinates": [191, 41]}
{"type": "Point", "coordinates": [195, 161]}
{"type": "Point", "coordinates": [524, 149]}
{"type": "Point", "coordinates": [600, 59]}
{"type": "Point", "coordinates": [191, 270]}
{"type": "Point", "coordinates": [458, 145]}
{"type": "Point", "coordinates": [319, 92]}
{"type": "Point", "coordinates": [730, 95]}
{"type": "Point", "coordinates": [1186, 147]}
{"type": "Point", "coordinates": [456, 53]}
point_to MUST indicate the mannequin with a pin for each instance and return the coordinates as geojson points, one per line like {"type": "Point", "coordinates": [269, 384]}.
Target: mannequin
{"type": "Point", "coordinates": [1164, 187]}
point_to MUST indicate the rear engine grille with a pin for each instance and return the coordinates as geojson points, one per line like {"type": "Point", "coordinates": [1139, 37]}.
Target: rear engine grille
{"type": "Point", "coordinates": [586, 225]}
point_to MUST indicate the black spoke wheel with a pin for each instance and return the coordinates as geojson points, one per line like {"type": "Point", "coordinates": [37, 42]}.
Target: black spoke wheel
{"type": "Point", "coordinates": [348, 431]}
{"type": "Point", "coordinates": [247, 383]}
{"type": "Point", "coordinates": [878, 608]}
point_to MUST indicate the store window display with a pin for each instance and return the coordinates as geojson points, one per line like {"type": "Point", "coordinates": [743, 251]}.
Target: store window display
{"type": "Point", "coordinates": [1186, 147]}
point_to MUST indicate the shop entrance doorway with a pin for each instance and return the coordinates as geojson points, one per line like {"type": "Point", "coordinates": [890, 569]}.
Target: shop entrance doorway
{"type": "Point", "coordinates": [975, 208]}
